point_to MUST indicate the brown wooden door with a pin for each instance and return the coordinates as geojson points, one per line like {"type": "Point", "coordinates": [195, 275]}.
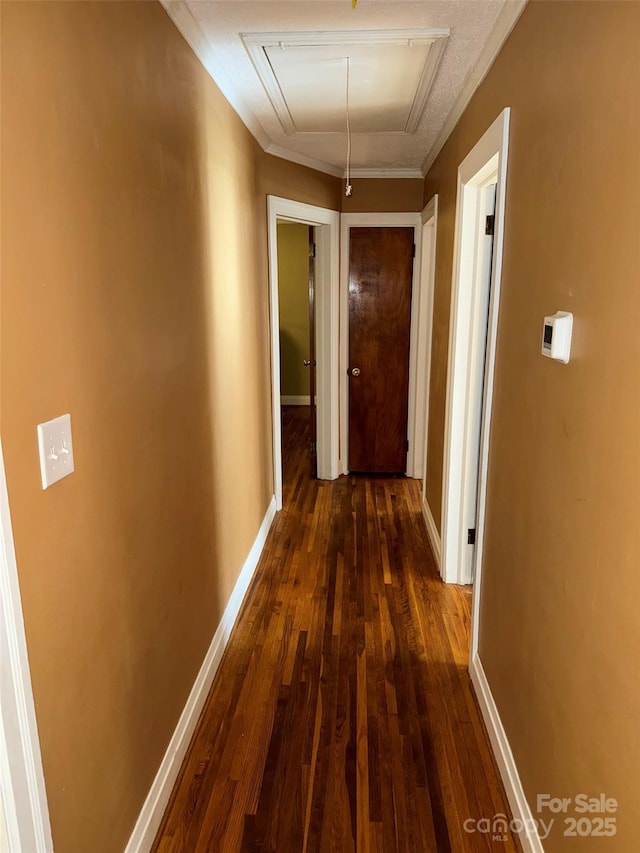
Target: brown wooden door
{"type": "Point", "coordinates": [380, 274]}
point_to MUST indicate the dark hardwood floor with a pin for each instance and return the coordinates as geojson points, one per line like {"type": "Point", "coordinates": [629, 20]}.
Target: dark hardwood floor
{"type": "Point", "coordinates": [342, 716]}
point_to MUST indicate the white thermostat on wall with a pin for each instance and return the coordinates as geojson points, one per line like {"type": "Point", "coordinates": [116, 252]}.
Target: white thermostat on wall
{"type": "Point", "coordinates": [556, 336]}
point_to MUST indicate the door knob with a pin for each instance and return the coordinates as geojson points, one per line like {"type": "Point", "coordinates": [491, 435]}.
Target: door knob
{"type": "Point", "coordinates": [308, 363]}
{"type": "Point", "coordinates": [355, 371]}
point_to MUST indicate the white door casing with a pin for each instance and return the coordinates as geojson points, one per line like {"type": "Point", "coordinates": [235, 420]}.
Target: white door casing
{"type": "Point", "coordinates": [486, 164]}
{"type": "Point", "coordinates": [24, 799]}
{"type": "Point", "coordinates": [483, 201]}
{"type": "Point", "coordinates": [429, 217]}
{"type": "Point", "coordinates": [424, 325]}
{"type": "Point", "coordinates": [327, 235]}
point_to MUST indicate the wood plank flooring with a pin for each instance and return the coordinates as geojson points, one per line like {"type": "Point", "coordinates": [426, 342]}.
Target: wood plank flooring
{"type": "Point", "coordinates": [342, 717]}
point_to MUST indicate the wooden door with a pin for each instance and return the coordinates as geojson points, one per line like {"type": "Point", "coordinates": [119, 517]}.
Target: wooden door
{"type": "Point", "coordinates": [380, 274]}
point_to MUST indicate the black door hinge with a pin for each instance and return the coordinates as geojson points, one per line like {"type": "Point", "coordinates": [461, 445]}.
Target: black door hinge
{"type": "Point", "coordinates": [407, 445]}
{"type": "Point", "coordinates": [471, 536]}
{"type": "Point", "coordinates": [313, 250]}
{"type": "Point", "coordinates": [313, 447]}
{"type": "Point", "coordinates": [490, 225]}
{"type": "Point", "coordinates": [414, 250]}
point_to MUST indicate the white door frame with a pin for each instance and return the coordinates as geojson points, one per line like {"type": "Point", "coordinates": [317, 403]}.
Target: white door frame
{"type": "Point", "coordinates": [429, 217]}
{"type": "Point", "coordinates": [484, 165]}
{"type": "Point", "coordinates": [378, 220]}
{"type": "Point", "coordinates": [24, 798]}
{"type": "Point", "coordinates": [327, 224]}
{"type": "Point", "coordinates": [422, 364]}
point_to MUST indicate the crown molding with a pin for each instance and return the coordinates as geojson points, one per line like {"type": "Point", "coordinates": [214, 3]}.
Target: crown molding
{"type": "Point", "coordinates": [505, 23]}
{"type": "Point", "coordinates": [338, 171]}
{"type": "Point", "coordinates": [303, 160]}
{"type": "Point", "coordinates": [189, 28]}
{"type": "Point", "coordinates": [310, 38]}
{"type": "Point", "coordinates": [385, 173]}
{"type": "Point", "coordinates": [427, 77]}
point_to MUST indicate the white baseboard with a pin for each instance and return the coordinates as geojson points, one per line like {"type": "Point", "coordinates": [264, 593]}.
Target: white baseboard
{"type": "Point", "coordinates": [520, 809]}
{"type": "Point", "coordinates": [294, 400]}
{"type": "Point", "coordinates": [150, 817]}
{"type": "Point", "coordinates": [432, 533]}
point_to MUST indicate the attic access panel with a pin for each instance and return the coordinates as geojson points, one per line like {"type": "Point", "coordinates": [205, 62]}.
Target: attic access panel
{"type": "Point", "coordinates": [304, 75]}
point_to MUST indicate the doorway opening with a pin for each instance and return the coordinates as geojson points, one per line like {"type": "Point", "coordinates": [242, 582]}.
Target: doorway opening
{"type": "Point", "coordinates": [475, 300]}
{"type": "Point", "coordinates": [325, 226]}
{"type": "Point", "coordinates": [296, 301]}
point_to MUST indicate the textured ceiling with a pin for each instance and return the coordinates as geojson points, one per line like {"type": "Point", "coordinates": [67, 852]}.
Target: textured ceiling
{"type": "Point", "coordinates": [291, 92]}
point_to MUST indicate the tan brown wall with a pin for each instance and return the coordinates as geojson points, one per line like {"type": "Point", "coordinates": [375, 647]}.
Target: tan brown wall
{"type": "Point", "coordinates": [293, 298]}
{"type": "Point", "coordinates": [289, 180]}
{"type": "Point", "coordinates": [383, 195]}
{"type": "Point", "coordinates": [134, 296]}
{"type": "Point", "coordinates": [559, 638]}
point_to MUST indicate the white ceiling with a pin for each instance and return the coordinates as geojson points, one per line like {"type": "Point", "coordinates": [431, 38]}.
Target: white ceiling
{"type": "Point", "coordinates": [413, 66]}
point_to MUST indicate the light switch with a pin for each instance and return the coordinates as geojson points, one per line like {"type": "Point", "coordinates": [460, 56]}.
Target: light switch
{"type": "Point", "coordinates": [56, 450]}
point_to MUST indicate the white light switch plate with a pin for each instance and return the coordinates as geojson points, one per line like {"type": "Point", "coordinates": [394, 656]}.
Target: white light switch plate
{"type": "Point", "coordinates": [56, 450]}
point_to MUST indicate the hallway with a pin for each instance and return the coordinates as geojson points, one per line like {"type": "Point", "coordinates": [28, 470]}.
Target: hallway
{"type": "Point", "coordinates": [140, 191]}
{"type": "Point", "coordinates": [341, 717]}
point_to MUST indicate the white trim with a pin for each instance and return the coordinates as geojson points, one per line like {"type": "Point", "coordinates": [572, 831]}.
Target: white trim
{"type": "Point", "coordinates": [500, 131]}
{"type": "Point", "coordinates": [418, 450]}
{"type": "Point", "coordinates": [22, 787]}
{"type": "Point", "coordinates": [376, 220]}
{"type": "Point", "coordinates": [255, 44]}
{"type": "Point", "coordinates": [310, 38]}
{"type": "Point", "coordinates": [181, 16]}
{"type": "Point", "coordinates": [295, 400]}
{"type": "Point", "coordinates": [303, 160]}
{"type": "Point", "coordinates": [384, 173]}
{"type": "Point", "coordinates": [520, 808]}
{"type": "Point", "coordinates": [488, 158]}
{"type": "Point", "coordinates": [155, 804]}
{"type": "Point", "coordinates": [338, 171]}
{"type": "Point", "coordinates": [426, 80]}
{"type": "Point", "coordinates": [506, 21]}
{"type": "Point", "coordinates": [327, 320]}
{"type": "Point", "coordinates": [432, 533]}
{"type": "Point", "coordinates": [430, 211]}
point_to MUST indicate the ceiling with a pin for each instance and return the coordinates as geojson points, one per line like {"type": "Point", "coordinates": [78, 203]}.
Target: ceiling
{"type": "Point", "coordinates": [413, 66]}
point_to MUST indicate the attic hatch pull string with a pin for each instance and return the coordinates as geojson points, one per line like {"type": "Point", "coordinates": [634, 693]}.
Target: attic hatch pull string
{"type": "Point", "coordinates": [348, 188]}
